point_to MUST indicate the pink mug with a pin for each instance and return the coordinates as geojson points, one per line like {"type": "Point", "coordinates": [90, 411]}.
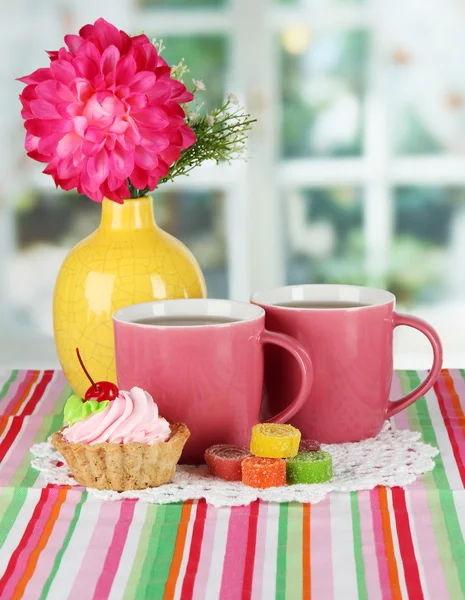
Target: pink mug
{"type": "Point", "coordinates": [202, 361]}
{"type": "Point", "coordinates": [351, 350]}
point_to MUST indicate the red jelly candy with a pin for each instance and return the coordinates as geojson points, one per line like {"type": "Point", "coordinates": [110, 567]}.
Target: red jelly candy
{"type": "Point", "coordinates": [259, 472]}
{"type": "Point", "coordinates": [309, 446]}
{"type": "Point", "coordinates": [224, 461]}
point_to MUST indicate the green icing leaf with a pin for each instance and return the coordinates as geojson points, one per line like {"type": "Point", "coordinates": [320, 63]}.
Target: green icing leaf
{"type": "Point", "coordinates": [77, 410]}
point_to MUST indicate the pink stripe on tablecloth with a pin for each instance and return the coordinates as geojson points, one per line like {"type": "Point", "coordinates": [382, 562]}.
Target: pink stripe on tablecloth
{"type": "Point", "coordinates": [31, 544]}
{"type": "Point", "coordinates": [88, 576]}
{"type": "Point", "coordinates": [25, 438]}
{"type": "Point", "coordinates": [236, 550]}
{"type": "Point", "coordinates": [321, 556]}
{"type": "Point", "coordinates": [51, 395]}
{"type": "Point", "coordinates": [377, 522]}
{"type": "Point", "coordinates": [401, 420]}
{"type": "Point", "coordinates": [15, 391]}
{"type": "Point", "coordinates": [454, 430]}
{"type": "Point", "coordinates": [372, 579]}
{"type": "Point", "coordinates": [115, 550]}
{"type": "Point", "coordinates": [208, 541]}
{"type": "Point", "coordinates": [54, 543]}
{"type": "Point", "coordinates": [427, 546]}
{"type": "Point", "coordinates": [260, 552]}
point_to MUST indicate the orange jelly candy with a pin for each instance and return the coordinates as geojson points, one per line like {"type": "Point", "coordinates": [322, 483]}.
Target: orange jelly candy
{"type": "Point", "coordinates": [259, 472]}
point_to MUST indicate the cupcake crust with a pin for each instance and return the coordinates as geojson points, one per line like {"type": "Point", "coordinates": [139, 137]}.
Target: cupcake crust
{"type": "Point", "coordinates": [122, 467]}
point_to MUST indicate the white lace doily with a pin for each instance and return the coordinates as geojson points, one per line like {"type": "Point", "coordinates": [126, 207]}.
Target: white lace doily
{"type": "Point", "coordinates": [393, 458]}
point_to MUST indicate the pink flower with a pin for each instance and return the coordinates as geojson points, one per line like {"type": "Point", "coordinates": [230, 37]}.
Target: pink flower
{"type": "Point", "coordinates": [105, 110]}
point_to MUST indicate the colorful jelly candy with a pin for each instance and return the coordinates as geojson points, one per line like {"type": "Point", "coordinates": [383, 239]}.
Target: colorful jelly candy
{"type": "Point", "coordinates": [259, 472]}
{"type": "Point", "coordinates": [309, 446]}
{"type": "Point", "coordinates": [273, 440]}
{"type": "Point", "coordinates": [224, 461]}
{"type": "Point", "coordinates": [309, 467]}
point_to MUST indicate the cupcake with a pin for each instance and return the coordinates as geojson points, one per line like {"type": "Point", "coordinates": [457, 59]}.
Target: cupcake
{"type": "Point", "coordinates": [122, 444]}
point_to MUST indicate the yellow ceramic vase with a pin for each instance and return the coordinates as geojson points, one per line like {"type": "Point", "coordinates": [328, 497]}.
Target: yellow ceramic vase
{"type": "Point", "coordinates": [126, 261]}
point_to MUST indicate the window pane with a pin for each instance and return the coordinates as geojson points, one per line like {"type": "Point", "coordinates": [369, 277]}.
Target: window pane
{"type": "Point", "coordinates": [426, 259]}
{"type": "Point", "coordinates": [207, 59]}
{"type": "Point", "coordinates": [324, 236]}
{"type": "Point", "coordinates": [197, 219]}
{"type": "Point", "coordinates": [49, 224]}
{"type": "Point", "coordinates": [322, 86]}
{"type": "Point", "coordinates": [425, 53]}
{"type": "Point", "coordinates": [183, 3]}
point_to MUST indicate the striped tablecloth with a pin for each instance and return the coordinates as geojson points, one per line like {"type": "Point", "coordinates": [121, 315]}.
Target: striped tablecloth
{"type": "Point", "coordinates": [60, 543]}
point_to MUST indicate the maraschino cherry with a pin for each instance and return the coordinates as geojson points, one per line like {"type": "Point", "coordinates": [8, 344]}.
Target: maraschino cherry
{"type": "Point", "coordinates": [100, 391]}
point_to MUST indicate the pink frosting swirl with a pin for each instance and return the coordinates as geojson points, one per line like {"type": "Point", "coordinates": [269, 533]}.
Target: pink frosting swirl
{"type": "Point", "coordinates": [131, 417]}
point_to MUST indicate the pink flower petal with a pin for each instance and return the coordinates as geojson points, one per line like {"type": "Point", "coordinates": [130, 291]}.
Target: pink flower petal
{"type": "Point", "coordinates": [106, 33]}
{"type": "Point", "coordinates": [94, 134]}
{"type": "Point", "coordinates": [52, 54]}
{"type": "Point", "coordinates": [36, 155]}
{"type": "Point", "coordinates": [66, 168]}
{"type": "Point", "coordinates": [89, 50]}
{"type": "Point", "coordinates": [125, 70]}
{"type": "Point", "coordinates": [80, 125]}
{"type": "Point", "coordinates": [142, 81]}
{"type": "Point", "coordinates": [139, 178]}
{"type": "Point", "coordinates": [85, 67]}
{"type": "Point", "coordinates": [48, 90]}
{"type": "Point", "coordinates": [109, 59]}
{"type": "Point", "coordinates": [68, 145]}
{"type": "Point", "coordinates": [39, 127]}
{"type": "Point", "coordinates": [188, 137]}
{"type": "Point", "coordinates": [82, 89]}
{"type": "Point", "coordinates": [121, 162]}
{"type": "Point", "coordinates": [119, 126]}
{"type": "Point", "coordinates": [43, 109]}
{"type": "Point", "coordinates": [179, 92]}
{"type": "Point", "coordinates": [137, 101]}
{"type": "Point", "coordinates": [48, 144]}
{"type": "Point", "coordinates": [145, 159]}
{"type": "Point", "coordinates": [154, 140]}
{"type": "Point", "coordinates": [74, 42]}
{"type": "Point", "coordinates": [160, 93]}
{"type": "Point", "coordinates": [98, 167]}
{"type": "Point", "coordinates": [37, 76]}
{"type": "Point", "coordinates": [86, 31]}
{"type": "Point", "coordinates": [152, 117]}
{"type": "Point", "coordinates": [63, 71]}
{"type": "Point", "coordinates": [140, 39]}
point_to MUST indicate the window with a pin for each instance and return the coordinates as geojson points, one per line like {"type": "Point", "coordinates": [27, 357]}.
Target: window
{"type": "Point", "coordinates": [357, 171]}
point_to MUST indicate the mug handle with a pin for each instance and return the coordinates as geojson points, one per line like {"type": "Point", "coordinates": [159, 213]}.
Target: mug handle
{"type": "Point", "coordinates": [433, 337]}
{"type": "Point", "coordinates": [306, 370]}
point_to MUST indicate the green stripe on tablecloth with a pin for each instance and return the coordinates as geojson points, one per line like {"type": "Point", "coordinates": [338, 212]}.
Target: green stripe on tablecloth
{"type": "Point", "coordinates": [64, 546]}
{"type": "Point", "coordinates": [294, 566]}
{"type": "Point", "coordinates": [159, 562]}
{"type": "Point", "coordinates": [7, 384]}
{"type": "Point", "coordinates": [133, 584]}
{"type": "Point", "coordinates": [11, 504]}
{"type": "Point", "coordinates": [358, 545]}
{"type": "Point", "coordinates": [440, 498]}
{"type": "Point", "coordinates": [154, 538]}
{"type": "Point", "coordinates": [282, 554]}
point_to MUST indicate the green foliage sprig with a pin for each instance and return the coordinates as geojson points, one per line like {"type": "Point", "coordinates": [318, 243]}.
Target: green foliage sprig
{"type": "Point", "coordinates": [221, 134]}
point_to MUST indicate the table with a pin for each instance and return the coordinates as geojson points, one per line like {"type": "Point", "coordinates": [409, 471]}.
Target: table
{"type": "Point", "coordinates": [61, 543]}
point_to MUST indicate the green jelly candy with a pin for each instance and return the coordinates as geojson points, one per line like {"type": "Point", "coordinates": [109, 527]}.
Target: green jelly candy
{"type": "Point", "coordinates": [309, 467]}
